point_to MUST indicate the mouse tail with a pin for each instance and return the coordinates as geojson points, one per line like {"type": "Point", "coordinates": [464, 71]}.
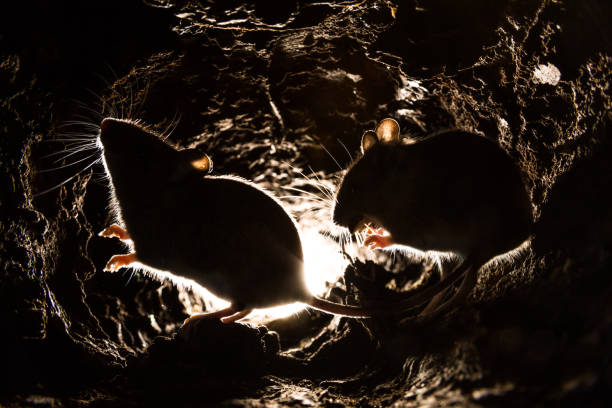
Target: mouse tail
{"type": "Point", "coordinates": [338, 309]}
{"type": "Point", "coordinates": [470, 265]}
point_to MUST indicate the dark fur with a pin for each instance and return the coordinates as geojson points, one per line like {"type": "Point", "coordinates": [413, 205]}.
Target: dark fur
{"type": "Point", "coordinates": [223, 232]}
{"type": "Point", "coordinates": [454, 191]}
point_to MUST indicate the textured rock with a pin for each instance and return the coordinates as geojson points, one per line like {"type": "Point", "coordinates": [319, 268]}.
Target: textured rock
{"type": "Point", "coordinates": [268, 92]}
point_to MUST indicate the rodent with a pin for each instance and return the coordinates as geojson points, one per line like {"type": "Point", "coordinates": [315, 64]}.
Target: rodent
{"type": "Point", "coordinates": [223, 232]}
{"type": "Point", "coordinates": [452, 191]}
{"type": "Point", "coordinates": [238, 241]}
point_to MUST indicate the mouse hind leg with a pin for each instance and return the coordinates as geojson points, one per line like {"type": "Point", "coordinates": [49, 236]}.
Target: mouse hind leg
{"type": "Point", "coordinates": [430, 293]}
{"type": "Point", "coordinates": [228, 315]}
{"type": "Point", "coordinates": [236, 316]}
{"type": "Point", "coordinates": [438, 298]}
{"type": "Point", "coordinates": [468, 271]}
{"type": "Point", "coordinates": [219, 314]}
{"type": "Point", "coordinates": [468, 283]}
{"type": "Point", "coordinates": [435, 309]}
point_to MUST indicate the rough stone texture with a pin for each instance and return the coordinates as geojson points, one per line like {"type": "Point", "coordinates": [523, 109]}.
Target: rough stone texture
{"type": "Point", "coordinates": [263, 88]}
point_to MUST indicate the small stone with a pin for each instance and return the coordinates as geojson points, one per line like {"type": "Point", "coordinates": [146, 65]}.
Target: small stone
{"type": "Point", "coordinates": [546, 74]}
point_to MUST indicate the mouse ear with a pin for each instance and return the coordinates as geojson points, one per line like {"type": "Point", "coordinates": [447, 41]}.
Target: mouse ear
{"type": "Point", "coordinates": [203, 164]}
{"type": "Point", "coordinates": [368, 140]}
{"type": "Point", "coordinates": [388, 130]}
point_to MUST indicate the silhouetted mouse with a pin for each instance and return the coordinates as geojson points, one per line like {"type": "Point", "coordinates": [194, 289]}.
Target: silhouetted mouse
{"type": "Point", "coordinates": [223, 232]}
{"type": "Point", "coordinates": [452, 191]}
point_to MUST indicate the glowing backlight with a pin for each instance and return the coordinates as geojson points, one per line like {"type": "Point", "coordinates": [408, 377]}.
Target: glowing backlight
{"type": "Point", "coordinates": [323, 265]}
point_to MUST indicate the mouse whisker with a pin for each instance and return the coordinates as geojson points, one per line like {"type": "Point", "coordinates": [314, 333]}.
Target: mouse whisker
{"type": "Point", "coordinates": [322, 187]}
{"type": "Point", "coordinates": [79, 123]}
{"type": "Point", "coordinates": [68, 165]}
{"type": "Point", "coordinates": [145, 95]}
{"type": "Point", "coordinates": [106, 107]}
{"type": "Point", "coordinates": [332, 157]}
{"type": "Point", "coordinates": [70, 139]}
{"type": "Point", "coordinates": [308, 213]}
{"type": "Point", "coordinates": [82, 118]}
{"type": "Point", "coordinates": [100, 177]}
{"type": "Point", "coordinates": [88, 120]}
{"type": "Point", "coordinates": [80, 131]}
{"type": "Point", "coordinates": [72, 152]}
{"type": "Point", "coordinates": [85, 106]}
{"type": "Point", "coordinates": [316, 183]}
{"type": "Point", "coordinates": [171, 127]}
{"type": "Point", "coordinates": [132, 273]}
{"type": "Point", "coordinates": [78, 134]}
{"type": "Point", "coordinates": [344, 241]}
{"type": "Point", "coordinates": [301, 197]}
{"type": "Point", "coordinates": [308, 193]}
{"type": "Point", "coordinates": [98, 160]}
{"type": "Point", "coordinates": [326, 195]}
{"type": "Point", "coordinates": [80, 144]}
{"type": "Point", "coordinates": [301, 173]}
{"type": "Point", "coordinates": [345, 149]}
{"type": "Point", "coordinates": [68, 150]}
{"type": "Point", "coordinates": [357, 238]}
{"type": "Point", "coordinates": [131, 104]}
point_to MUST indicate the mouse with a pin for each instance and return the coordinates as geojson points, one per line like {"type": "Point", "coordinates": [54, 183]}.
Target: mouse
{"type": "Point", "coordinates": [452, 191]}
{"type": "Point", "coordinates": [223, 232]}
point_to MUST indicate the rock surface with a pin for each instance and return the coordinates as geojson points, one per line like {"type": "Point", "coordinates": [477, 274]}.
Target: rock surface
{"type": "Point", "coordinates": [271, 92]}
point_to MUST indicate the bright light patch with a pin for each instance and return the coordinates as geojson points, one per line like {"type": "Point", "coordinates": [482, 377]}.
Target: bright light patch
{"type": "Point", "coordinates": [323, 265]}
{"type": "Point", "coordinates": [324, 262]}
{"type": "Point", "coordinates": [272, 313]}
{"type": "Point", "coordinates": [213, 303]}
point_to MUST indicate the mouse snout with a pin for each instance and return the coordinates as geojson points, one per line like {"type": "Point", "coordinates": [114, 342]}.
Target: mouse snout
{"type": "Point", "coordinates": [111, 131]}
{"type": "Point", "coordinates": [345, 220]}
{"type": "Point", "coordinates": [106, 124]}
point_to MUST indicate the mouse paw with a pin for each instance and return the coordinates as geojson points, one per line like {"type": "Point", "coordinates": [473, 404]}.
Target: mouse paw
{"type": "Point", "coordinates": [377, 241]}
{"type": "Point", "coordinates": [188, 329]}
{"type": "Point", "coordinates": [115, 231]}
{"type": "Point", "coordinates": [119, 261]}
{"type": "Point", "coordinates": [236, 316]}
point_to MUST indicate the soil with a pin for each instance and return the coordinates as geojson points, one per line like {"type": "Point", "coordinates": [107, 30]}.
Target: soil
{"type": "Point", "coordinates": [280, 93]}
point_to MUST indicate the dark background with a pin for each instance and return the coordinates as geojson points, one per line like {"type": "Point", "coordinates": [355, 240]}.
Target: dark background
{"type": "Point", "coordinates": [536, 330]}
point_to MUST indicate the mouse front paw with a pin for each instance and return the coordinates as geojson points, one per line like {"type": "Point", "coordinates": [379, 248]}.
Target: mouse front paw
{"type": "Point", "coordinates": [115, 231]}
{"type": "Point", "coordinates": [119, 261]}
{"type": "Point", "coordinates": [377, 241]}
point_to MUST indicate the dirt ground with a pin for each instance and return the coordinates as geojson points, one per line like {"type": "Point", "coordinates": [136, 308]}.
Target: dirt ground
{"type": "Point", "coordinates": [280, 93]}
